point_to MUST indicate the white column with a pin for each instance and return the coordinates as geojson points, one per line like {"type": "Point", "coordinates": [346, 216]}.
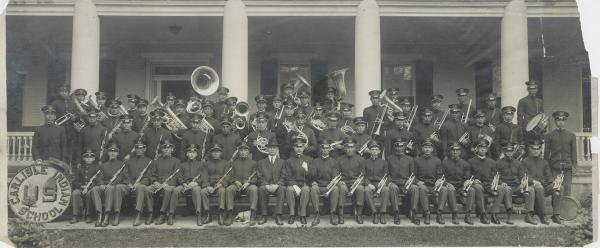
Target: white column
{"type": "Point", "coordinates": [514, 53]}
{"type": "Point", "coordinates": [367, 54]}
{"type": "Point", "coordinates": [3, 134]}
{"type": "Point", "coordinates": [85, 60]}
{"type": "Point", "coordinates": [235, 49]}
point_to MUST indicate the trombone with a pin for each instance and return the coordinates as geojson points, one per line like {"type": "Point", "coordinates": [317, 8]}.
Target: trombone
{"type": "Point", "coordinates": [465, 115]}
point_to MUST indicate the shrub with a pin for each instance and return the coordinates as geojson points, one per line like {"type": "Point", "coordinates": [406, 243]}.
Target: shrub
{"type": "Point", "coordinates": [28, 234]}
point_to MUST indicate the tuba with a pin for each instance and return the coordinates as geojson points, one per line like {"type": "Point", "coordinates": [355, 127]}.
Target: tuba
{"type": "Point", "coordinates": [205, 80]}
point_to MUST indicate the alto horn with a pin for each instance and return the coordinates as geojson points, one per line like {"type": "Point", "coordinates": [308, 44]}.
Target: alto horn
{"type": "Point", "coordinates": [205, 80]}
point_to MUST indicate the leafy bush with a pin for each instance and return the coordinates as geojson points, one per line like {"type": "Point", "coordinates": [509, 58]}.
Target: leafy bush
{"type": "Point", "coordinates": [582, 233]}
{"type": "Point", "coordinates": [27, 234]}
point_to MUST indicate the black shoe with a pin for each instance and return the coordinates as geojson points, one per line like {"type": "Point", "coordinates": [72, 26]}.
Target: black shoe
{"type": "Point", "coordinates": [303, 220]}
{"type": "Point", "coordinates": [440, 218]}
{"type": "Point", "coordinates": [508, 219]}
{"type": "Point", "coordinates": [414, 219]}
{"type": "Point", "coordinates": [544, 219]}
{"type": "Point", "coordinates": [530, 219]}
{"type": "Point", "coordinates": [375, 218]}
{"type": "Point", "coordinates": [170, 219]}
{"type": "Point", "coordinates": [252, 218]}
{"type": "Point", "coordinates": [556, 219]}
{"type": "Point", "coordinates": [138, 217]}
{"type": "Point", "coordinates": [278, 220]}
{"type": "Point", "coordinates": [483, 219]}
{"type": "Point", "coordinates": [262, 220]}
{"type": "Point", "coordinates": [105, 222]}
{"type": "Point", "coordinates": [455, 219]}
{"type": "Point", "coordinates": [116, 219]}
{"type": "Point", "coordinates": [88, 219]}
{"type": "Point", "coordinates": [468, 218]}
{"type": "Point", "coordinates": [382, 218]}
{"type": "Point", "coordinates": [99, 220]}
{"type": "Point", "coordinates": [207, 219]}
{"type": "Point", "coordinates": [161, 219]}
{"type": "Point", "coordinates": [341, 217]}
{"type": "Point", "coordinates": [426, 217]}
{"type": "Point", "coordinates": [228, 220]}
{"type": "Point", "coordinates": [316, 220]}
{"type": "Point", "coordinates": [291, 220]}
{"type": "Point", "coordinates": [150, 219]}
{"type": "Point", "coordinates": [74, 220]}
{"type": "Point", "coordinates": [332, 219]}
{"type": "Point", "coordinates": [397, 219]}
{"type": "Point", "coordinates": [199, 221]}
{"type": "Point", "coordinates": [494, 219]}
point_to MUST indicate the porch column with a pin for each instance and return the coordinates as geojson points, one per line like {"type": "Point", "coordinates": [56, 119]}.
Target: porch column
{"type": "Point", "coordinates": [3, 134]}
{"type": "Point", "coordinates": [367, 54]}
{"type": "Point", "coordinates": [85, 60]}
{"type": "Point", "coordinates": [235, 49]}
{"type": "Point", "coordinates": [514, 53]}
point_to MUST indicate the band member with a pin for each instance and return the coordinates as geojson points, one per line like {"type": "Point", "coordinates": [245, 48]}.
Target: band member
{"type": "Point", "coordinates": [347, 114]}
{"type": "Point", "coordinates": [492, 113]}
{"type": "Point", "coordinates": [284, 127]}
{"type": "Point", "coordinates": [463, 103]}
{"type": "Point", "coordinates": [352, 167]}
{"type": "Point", "coordinates": [561, 150]}
{"type": "Point", "coordinates": [370, 113]}
{"type": "Point", "coordinates": [480, 168]}
{"type": "Point", "coordinates": [452, 130]}
{"type": "Point", "coordinates": [270, 174]}
{"type": "Point", "coordinates": [194, 177]}
{"type": "Point", "coordinates": [49, 139]}
{"type": "Point", "coordinates": [155, 133]}
{"type": "Point", "coordinates": [305, 101]}
{"type": "Point", "coordinates": [398, 131]}
{"type": "Point", "coordinates": [332, 132]}
{"type": "Point", "coordinates": [406, 106]}
{"type": "Point", "coordinates": [508, 132]}
{"type": "Point", "coordinates": [296, 170]}
{"type": "Point", "coordinates": [330, 103]}
{"type": "Point", "coordinates": [165, 172]}
{"type": "Point", "coordinates": [323, 170]}
{"type": "Point", "coordinates": [217, 169]}
{"type": "Point", "coordinates": [194, 135]}
{"type": "Point", "coordinates": [227, 139]}
{"type": "Point", "coordinates": [287, 91]}
{"type": "Point", "coordinates": [427, 170]}
{"type": "Point", "coordinates": [230, 107]}
{"type": "Point", "coordinates": [277, 104]}
{"type": "Point", "coordinates": [114, 112]}
{"type": "Point", "coordinates": [207, 110]}
{"type": "Point", "coordinates": [394, 94]}
{"type": "Point", "coordinates": [170, 100]}
{"type": "Point", "coordinates": [86, 172]}
{"type": "Point", "coordinates": [454, 168]}
{"type": "Point", "coordinates": [362, 139]}
{"type": "Point", "coordinates": [93, 136]}
{"type": "Point", "coordinates": [530, 105]}
{"type": "Point", "coordinates": [540, 178]}
{"type": "Point", "coordinates": [402, 167]}
{"type": "Point", "coordinates": [64, 104]}
{"type": "Point", "coordinates": [113, 180]}
{"type": "Point", "coordinates": [479, 131]}
{"type": "Point", "coordinates": [243, 180]}
{"type": "Point", "coordinates": [181, 113]}
{"type": "Point", "coordinates": [260, 137]}
{"type": "Point", "coordinates": [510, 171]}
{"type": "Point", "coordinates": [261, 107]}
{"type": "Point", "coordinates": [132, 102]}
{"type": "Point", "coordinates": [221, 104]}
{"type": "Point", "coordinates": [141, 118]}
{"type": "Point", "coordinates": [375, 169]}
{"type": "Point", "coordinates": [125, 138]}
{"type": "Point", "coordinates": [425, 128]}
{"type": "Point", "coordinates": [436, 109]}
{"type": "Point", "coordinates": [139, 167]}
{"type": "Point", "coordinates": [300, 123]}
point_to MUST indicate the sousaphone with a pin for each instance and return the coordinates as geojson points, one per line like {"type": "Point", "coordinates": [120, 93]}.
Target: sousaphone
{"type": "Point", "coordinates": [205, 80]}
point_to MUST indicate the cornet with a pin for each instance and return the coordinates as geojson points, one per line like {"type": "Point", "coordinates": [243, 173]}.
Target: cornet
{"type": "Point", "coordinates": [495, 182]}
{"type": "Point", "coordinates": [467, 185]}
{"type": "Point", "coordinates": [558, 181]}
{"type": "Point", "coordinates": [78, 123]}
{"type": "Point", "coordinates": [332, 184]}
{"type": "Point", "coordinates": [356, 183]}
{"type": "Point", "coordinates": [409, 181]}
{"type": "Point", "coordinates": [524, 184]}
{"type": "Point", "coordinates": [439, 183]}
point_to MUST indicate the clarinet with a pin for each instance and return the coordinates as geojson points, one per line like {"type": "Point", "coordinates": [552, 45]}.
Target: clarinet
{"type": "Point", "coordinates": [89, 183]}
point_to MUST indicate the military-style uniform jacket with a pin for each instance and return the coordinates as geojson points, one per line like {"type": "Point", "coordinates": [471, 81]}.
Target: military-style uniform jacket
{"type": "Point", "coordinates": [256, 154]}
{"type": "Point", "coordinates": [374, 169]}
{"type": "Point", "coordinates": [455, 171]}
{"type": "Point", "coordinates": [322, 170]}
{"type": "Point", "coordinates": [135, 166]}
{"type": "Point", "coordinates": [463, 107]}
{"type": "Point", "coordinates": [311, 148]}
{"type": "Point", "coordinates": [109, 168]}
{"type": "Point", "coordinates": [428, 169]}
{"type": "Point", "coordinates": [361, 139]}
{"type": "Point", "coordinates": [242, 169]}
{"type": "Point", "coordinates": [370, 114]}
{"type": "Point", "coordinates": [91, 138]}
{"type": "Point", "coordinates": [294, 173]}
{"type": "Point", "coordinates": [126, 139]}
{"type": "Point", "coordinates": [151, 138]}
{"type": "Point", "coordinates": [219, 108]}
{"type": "Point", "coordinates": [400, 167]}
{"type": "Point", "coordinates": [527, 108]}
{"type": "Point", "coordinates": [482, 169]}
{"type": "Point", "coordinates": [333, 134]}
{"type": "Point", "coordinates": [493, 116]}
{"type": "Point", "coordinates": [63, 106]}
{"type": "Point", "coordinates": [451, 131]}
{"type": "Point", "coordinates": [537, 169]}
{"type": "Point", "coordinates": [82, 174]}
{"type": "Point", "coordinates": [561, 150]}
{"type": "Point", "coordinates": [271, 173]}
{"type": "Point", "coordinates": [110, 122]}
{"type": "Point", "coordinates": [395, 133]}
{"type": "Point", "coordinates": [165, 167]}
{"type": "Point", "coordinates": [508, 132]}
{"type": "Point", "coordinates": [196, 137]}
{"type": "Point", "coordinates": [138, 121]}
{"type": "Point", "coordinates": [510, 171]}
{"type": "Point", "coordinates": [215, 169]}
{"type": "Point", "coordinates": [351, 167]}
{"type": "Point", "coordinates": [49, 140]}
{"type": "Point", "coordinates": [229, 143]}
{"type": "Point", "coordinates": [189, 170]}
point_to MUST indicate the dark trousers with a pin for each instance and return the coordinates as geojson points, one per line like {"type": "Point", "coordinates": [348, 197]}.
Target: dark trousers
{"type": "Point", "coordinates": [263, 199]}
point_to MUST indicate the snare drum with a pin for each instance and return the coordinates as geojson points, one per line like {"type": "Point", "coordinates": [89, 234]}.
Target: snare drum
{"type": "Point", "coordinates": [537, 125]}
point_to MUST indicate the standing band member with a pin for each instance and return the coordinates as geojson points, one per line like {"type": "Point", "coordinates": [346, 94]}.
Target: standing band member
{"type": "Point", "coordinates": [508, 132]}
{"type": "Point", "coordinates": [194, 135]}
{"type": "Point", "coordinates": [529, 106]}
{"type": "Point", "coordinates": [452, 129]}
{"type": "Point", "coordinates": [332, 132]}
{"type": "Point", "coordinates": [84, 195]}
{"type": "Point", "coordinates": [49, 140]}
{"type": "Point", "coordinates": [125, 138]}
{"type": "Point", "coordinates": [270, 174]}
{"type": "Point", "coordinates": [243, 180]}
{"type": "Point", "coordinates": [323, 170]}
{"type": "Point", "coordinates": [92, 136]}
{"type": "Point", "coordinates": [155, 133]}
{"type": "Point", "coordinates": [298, 188]}
{"type": "Point", "coordinates": [402, 167]}
{"type": "Point", "coordinates": [561, 150]}
{"type": "Point", "coordinates": [370, 113]}
{"type": "Point", "coordinates": [375, 169]}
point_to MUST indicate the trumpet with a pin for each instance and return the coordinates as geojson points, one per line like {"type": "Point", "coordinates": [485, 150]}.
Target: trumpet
{"type": "Point", "coordinates": [558, 181]}
{"type": "Point", "coordinates": [439, 124]}
{"type": "Point", "coordinates": [155, 188]}
{"type": "Point", "coordinates": [247, 183]}
{"type": "Point", "coordinates": [364, 148]}
{"type": "Point", "coordinates": [409, 181]}
{"type": "Point", "coordinates": [279, 114]}
{"type": "Point", "coordinates": [347, 129]}
{"type": "Point", "coordinates": [465, 139]}
{"type": "Point", "coordinates": [89, 183]}
{"type": "Point", "coordinates": [334, 181]}
{"type": "Point", "coordinates": [495, 183]}
{"type": "Point", "coordinates": [439, 183]}
{"type": "Point", "coordinates": [332, 145]}
{"type": "Point", "coordinates": [467, 185]}
{"type": "Point", "coordinates": [524, 186]}
{"type": "Point", "coordinates": [78, 123]}
{"type": "Point", "coordinates": [382, 183]}
{"type": "Point", "coordinates": [356, 183]}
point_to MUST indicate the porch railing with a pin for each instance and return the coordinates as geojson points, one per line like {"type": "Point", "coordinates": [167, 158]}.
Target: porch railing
{"type": "Point", "coordinates": [584, 147]}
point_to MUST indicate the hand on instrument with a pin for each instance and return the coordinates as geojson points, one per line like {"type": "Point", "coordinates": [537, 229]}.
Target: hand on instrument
{"type": "Point", "coordinates": [245, 185]}
{"type": "Point", "coordinates": [238, 184]}
{"type": "Point", "coordinates": [420, 183]}
{"type": "Point", "coordinates": [211, 190]}
{"type": "Point", "coordinates": [372, 187]}
{"type": "Point", "coordinates": [192, 184]}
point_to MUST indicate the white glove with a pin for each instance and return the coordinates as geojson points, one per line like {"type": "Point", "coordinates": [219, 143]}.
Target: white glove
{"type": "Point", "coordinates": [372, 187]}
{"type": "Point", "coordinates": [305, 166]}
{"type": "Point", "coordinates": [192, 184]}
{"type": "Point", "coordinates": [297, 190]}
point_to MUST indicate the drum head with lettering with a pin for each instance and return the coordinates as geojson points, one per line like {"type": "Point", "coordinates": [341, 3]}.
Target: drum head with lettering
{"type": "Point", "coordinates": [39, 193]}
{"type": "Point", "coordinates": [569, 207]}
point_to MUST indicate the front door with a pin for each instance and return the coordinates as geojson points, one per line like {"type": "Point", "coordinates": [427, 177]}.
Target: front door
{"type": "Point", "coordinates": [181, 88]}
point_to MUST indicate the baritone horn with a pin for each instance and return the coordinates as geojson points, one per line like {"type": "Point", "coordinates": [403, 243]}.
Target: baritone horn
{"type": "Point", "coordinates": [205, 80]}
{"type": "Point", "coordinates": [241, 115]}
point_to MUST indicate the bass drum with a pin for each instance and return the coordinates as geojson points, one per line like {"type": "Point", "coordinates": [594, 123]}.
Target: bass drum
{"type": "Point", "coordinates": [569, 206]}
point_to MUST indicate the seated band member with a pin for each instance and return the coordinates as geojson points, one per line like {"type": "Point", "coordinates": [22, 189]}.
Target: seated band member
{"type": "Point", "coordinates": [480, 168]}
{"type": "Point", "coordinates": [375, 171]}
{"type": "Point", "coordinates": [296, 170]}
{"type": "Point", "coordinates": [86, 176]}
{"type": "Point", "coordinates": [218, 171]}
{"type": "Point", "coordinates": [540, 178]}
{"type": "Point", "coordinates": [271, 180]}
{"type": "Point", "coordinates": [322, 171]}
{"type": "Point", "coordinates": [454, 168]}
{"type": "Point", "coordinates": [402, 167]}
{"type": "Point", "coordinates": [243, 180]}
{"type": "Point", "coordinates": [428, 169]}
{"type": "Point", "coordinates": [260, 137]}
{"type": "Point", "coordinates": [114, 184]}
{"type": "Point", "coordinates": [139, 169]}
{"type": "Point", "coordinates": [49, 139]}
{"type": "Point", "coordinates": [509, 170]}
{"type": "Point", "coordinates": [165, 171]}
{"type": "Point", "coordinates": [192, 178]}
{"type": "Point", "coordinates": [352, 167]}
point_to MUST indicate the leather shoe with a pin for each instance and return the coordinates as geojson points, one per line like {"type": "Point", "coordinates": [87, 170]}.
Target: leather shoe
{"type": "Point", "coordinates": [414, 219]}
{"type": "Point", "coordinates": [556, 219]}
{"type": "Point", "coordinates": [544, 219]}
{"type": "Point", "coordinates": [150, 219]}
{"type": "Point", "coordinates": [316, 220]}
{"type": "Point", "coordinates": [375, 219]}
{"type": "Point", "coordinates": [529, 219]}
{"type": "Point", "coordinates": [382, 218]}
{"type": "Point", "coordinates": [291, 220]}
{"type": "Point", "coordinates": [455, 219]}
{"type": "Point", "coordinates": [170, 219]}
{"type": "Point", "coordinates": [74, 220]}
{"type": "Point", "coordinates": [468, 218]}
{"type": "Point", "coordinates": [494, 219]}
{"type": "Point", "coordinates": [440, 219]}
{"type": "Point", "coordinates": [508, 217]}
{"type": "Point", "coordinates": [332, 219]}
{"type": "Point", "coordinates": [207, 219]}
{"type": "Point", "coordinates": [137, 220]}
{"type": "Point", "coordinates": [262, 220]}
{"type": "Point", "coordinates": [229, 218]}
{"type": "Point", "coordinates": [99, 220]}
{"type": "Point", "coordinates": [106, 219]}
{"type": "Point", "coordinates": [199, 219]}
{"type": "Point", "coordinates": [483, 219]}
{"type": "Point", "coordinates": [221, 217]}
{"type": "Point", "coordinates": [303, 220]}
{"type": "Point", "coordinates": [427, 217]}
{"type": "Point", "coordinates": [278, 220]}
{"type": "Point", "coordinates": [252, 219]}
{"type": "Point", "coordinates": [341, 217]}
{"type": "Point", "coordinates": [88, 219]}
{"type": "Point", "coordinates": [116, 219]}
{"type": "Point", "coordinates": [161, 220]}
{"type": "Point", "coordinates": [397, 218]}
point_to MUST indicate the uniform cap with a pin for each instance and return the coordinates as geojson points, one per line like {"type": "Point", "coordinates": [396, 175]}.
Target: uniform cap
{"type": "Point", "coordinates": [531, 84]}
{"type": "Point", "coordinates": [560, 115]}
{"type": "Point", "coordinates": [80, 92]}
{"type": "Point", "coordinates": [462, 91]}
{"type": "Point", "coordinates": [508, 109]}
{"type": "Point", "coordinates": [215, 147]}
{"type": "Point", "coordinates": [437, 98]}
{"type": "Point", "coordinates": [48, 109]}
